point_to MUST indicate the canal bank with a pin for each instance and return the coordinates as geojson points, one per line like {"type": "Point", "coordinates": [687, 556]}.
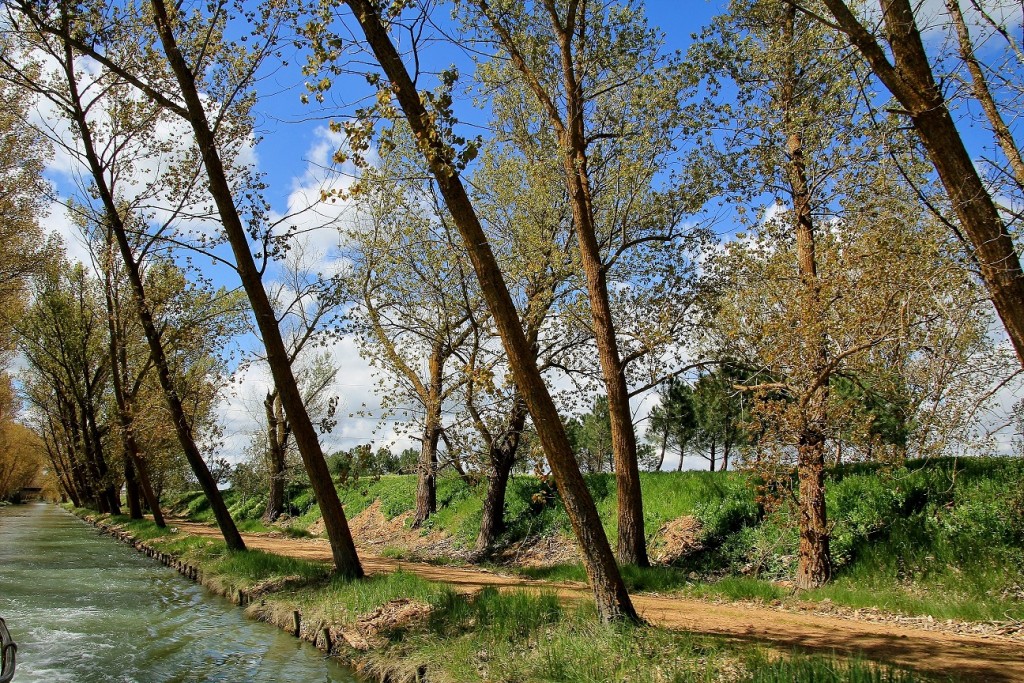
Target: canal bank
{"type": "Point", "coordinates": [462, 625]}
{"type": "Point", "coordinates": [85, 610]}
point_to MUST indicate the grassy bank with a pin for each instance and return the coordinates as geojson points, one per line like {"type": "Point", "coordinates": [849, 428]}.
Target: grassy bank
{"type": "Point", "coordinates": [943, 538]}
{"type": "Point", "coordinates": [406, 628]}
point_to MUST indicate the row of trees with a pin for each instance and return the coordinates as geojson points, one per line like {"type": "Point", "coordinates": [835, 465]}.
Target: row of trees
{"type": "Point", "coordinates": [570, 246]}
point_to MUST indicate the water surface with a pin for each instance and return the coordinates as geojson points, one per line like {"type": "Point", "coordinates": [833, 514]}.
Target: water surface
{"type": "Point", "coordinates": [85, 608]}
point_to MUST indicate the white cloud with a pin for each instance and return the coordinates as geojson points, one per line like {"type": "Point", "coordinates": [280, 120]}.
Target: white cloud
{"type": "Point", "coordinates": [358, 414]}
{"type": "Point", "coordinates": [316, 207]}
{"type": "Point", "coordinates": [58, 222]}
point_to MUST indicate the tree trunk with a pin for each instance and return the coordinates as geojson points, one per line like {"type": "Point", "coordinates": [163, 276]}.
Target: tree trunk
{"type": "Point", "coordinates": [632, 546]}
{"type": "Point", "coordinates": [502, 456]}
{"type": "Point", "coordinates": [572, 138]}
{"type": "Point", "coordinates": [131, 489]}
{"type": "Point", "coordinates": [181, 425]}
{"type": "Point", "coordinates": [613, 603]}
{"type": "Point", "coordinates": [815, 561]}
{"type": "Point", "coordinates": [426, 471]}
{"type": "Point", "coordinates": [111, 498]}
{"type": "Point", "coordinates": [493, 521]}
{"type": "Point", "coordinates": [711, 456]}
{"type": "Point", "coordinates": [815, 566]}
{"type": "Point", "coordinates": [982, 93]}
{"type": "Point", "coordinates": [275, 457]}
{"type": "Point", "coordinates": [147, 490]}
{"type": "Point", "coordinates": [664, 445]}
{"type": "Point", "coordinates": [726, 449]}
{"type": "Point", "coordinates": [912, 83]}
{"type": "Point", "coordinates": [96, 476]}
{"type": "Point", "coordinates": [343, 548]}
{"type": "Point", "coordinates": [134, 469]}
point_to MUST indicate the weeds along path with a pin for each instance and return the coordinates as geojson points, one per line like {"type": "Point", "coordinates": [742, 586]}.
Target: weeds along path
{"type": "Point", "coordinates": [984, 658]}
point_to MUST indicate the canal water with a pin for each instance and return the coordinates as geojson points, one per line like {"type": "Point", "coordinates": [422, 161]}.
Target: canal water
{"type": "Point", "coordinates": [84, 608]}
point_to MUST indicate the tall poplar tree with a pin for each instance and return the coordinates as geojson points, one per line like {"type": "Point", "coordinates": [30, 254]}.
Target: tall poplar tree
{"type": "Point", "coordinates": [611, 103]}
{"type": "Point", "coordinates": [900, 59]}
{"type": "Point", "coordinates": [430, 119]}
{"type": "Point", "coordinates": [798, 136]}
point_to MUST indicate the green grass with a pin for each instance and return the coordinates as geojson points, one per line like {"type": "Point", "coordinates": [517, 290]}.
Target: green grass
{"type": "Point", "coordinates": [520, 636]}
{"type": "Point", "coordinates": [668, 580]}
{"type": "Point", "coordinates": [942, 537]}
{"type": "Point", "coordinates": [342, 601]}
{"type": "Point", "coordinates": [255, 566]}
{"type": "Point", "coordinates": [142, 529]}
{"type": "Point", "coordinates": [194, 549]}
{"type": "Point", "coordinates": [251, 525]}
{"type": "Point", "coordinates": [818, 669]}
{"type": "Point", "coordinates": [738, 588]}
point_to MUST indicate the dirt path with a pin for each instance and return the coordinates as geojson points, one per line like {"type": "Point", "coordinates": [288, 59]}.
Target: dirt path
{"type": "Point", "coordinates": [984, 658]}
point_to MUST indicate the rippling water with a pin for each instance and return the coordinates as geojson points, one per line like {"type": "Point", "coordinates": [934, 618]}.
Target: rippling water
{"type": "Point", "coordinates": [83, 608]}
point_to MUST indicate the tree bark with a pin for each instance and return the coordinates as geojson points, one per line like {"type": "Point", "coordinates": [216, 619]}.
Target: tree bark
{"type": "Point", "coordinates": [426, 471]}
{"type": "Point", "coordinates": [343, 548]}
{"type": "Point", "coordinates": [131, 489]}
{"type": "Point", "coordinates": [911, 81]}
{"type": "Point", "coordinates": [613, 603]}
{"type": "Point", "coordinates": [664, 446]}
{"type": "Point", "coordinates": [277, 434]}
{"type": "Point", "coordinates": [493, 521]}
{"type": "Point", "coordinates": [815, 564]}
{"type": "Point", "coordinates": [502, 458]}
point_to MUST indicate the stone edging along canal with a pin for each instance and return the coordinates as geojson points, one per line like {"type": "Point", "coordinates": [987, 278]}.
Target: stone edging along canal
{"type": "Point", "coordinates": [331, 639]}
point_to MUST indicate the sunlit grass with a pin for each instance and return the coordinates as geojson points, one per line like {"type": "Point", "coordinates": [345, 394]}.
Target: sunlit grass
{"type": "Point", "coordinates": [521, 636]}
{"type": "Point", "coordinates": [254, 566]}
{"type": "Point", "coordinates": [341, 601]}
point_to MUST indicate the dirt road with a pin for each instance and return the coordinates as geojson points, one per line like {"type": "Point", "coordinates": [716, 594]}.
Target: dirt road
{"type": "Point", "coordinates": [983, 658]}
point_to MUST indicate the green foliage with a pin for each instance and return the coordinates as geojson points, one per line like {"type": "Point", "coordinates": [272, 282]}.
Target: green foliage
{"type": "Point", "coordinates": [396, 493]}
{"type": "Point", "coordinates": [591, 437]}
{"type": "Point", "coordinates": [673, 422]}
{"type": "Point", "coordinates": [245, 508]}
